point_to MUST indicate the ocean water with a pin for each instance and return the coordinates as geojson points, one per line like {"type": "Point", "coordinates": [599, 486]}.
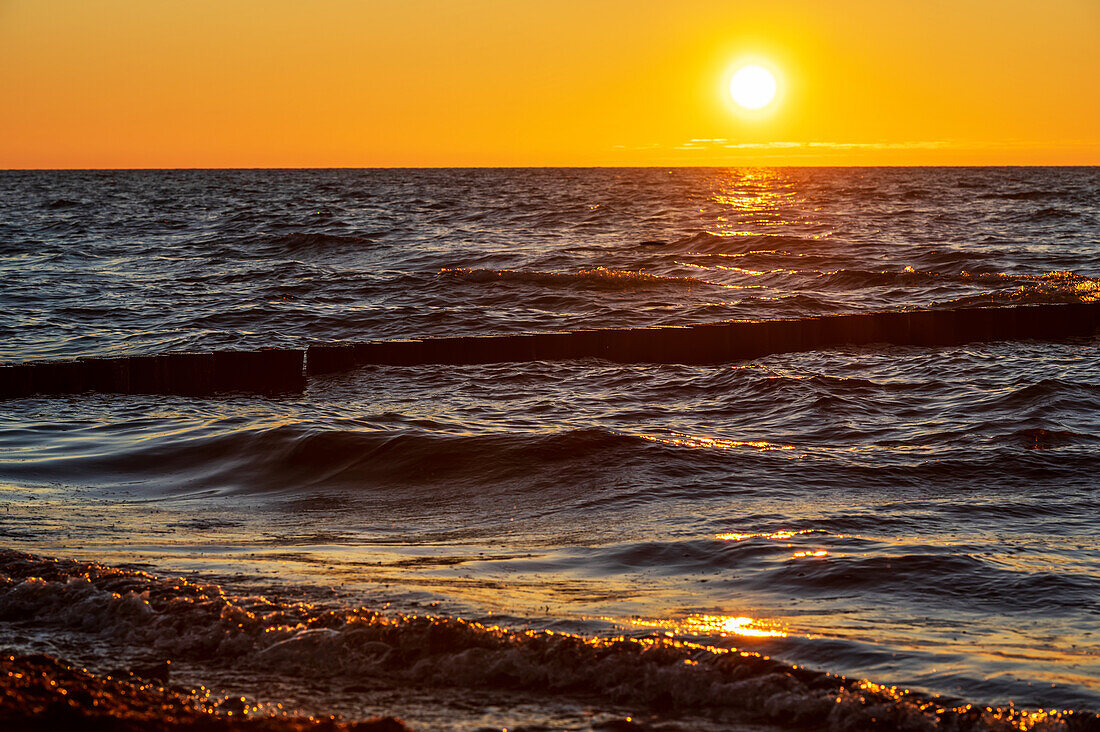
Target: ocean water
{"type": "Point", "coordinates": [551, 544]}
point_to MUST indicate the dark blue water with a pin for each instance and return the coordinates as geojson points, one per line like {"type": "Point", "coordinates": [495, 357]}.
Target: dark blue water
{"type": "Point", "coordinates": [926, 518]}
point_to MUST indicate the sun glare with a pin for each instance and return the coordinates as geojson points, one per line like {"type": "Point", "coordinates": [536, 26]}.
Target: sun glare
{"type": "Point", "coordinates": [753, 87]}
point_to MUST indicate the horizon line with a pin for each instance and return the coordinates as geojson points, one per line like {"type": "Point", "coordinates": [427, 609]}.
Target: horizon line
{"type": "Point", "coordinates": [536, 167]}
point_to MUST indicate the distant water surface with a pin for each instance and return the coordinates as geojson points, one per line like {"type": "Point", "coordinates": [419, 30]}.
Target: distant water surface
{"type": "Point", "coordinates": [926, 518]}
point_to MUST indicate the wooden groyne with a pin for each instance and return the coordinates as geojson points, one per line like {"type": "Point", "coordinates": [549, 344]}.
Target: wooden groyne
{"type": "Point", "coordinates": [283, 370]}
{"type": "Point", "coordinates": [725, 341]}
{"type": "Point", "coordinates": [268, 370]}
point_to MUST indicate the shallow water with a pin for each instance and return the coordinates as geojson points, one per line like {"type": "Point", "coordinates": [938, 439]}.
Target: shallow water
{"type": "Point", "coordinates": [918, 517]}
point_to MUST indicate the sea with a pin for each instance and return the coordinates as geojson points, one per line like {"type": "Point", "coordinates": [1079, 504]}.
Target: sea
{"type": "Point", "coordinates": [866, 537]}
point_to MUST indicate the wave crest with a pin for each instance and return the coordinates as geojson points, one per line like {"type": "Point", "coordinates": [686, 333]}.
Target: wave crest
{"type": "Point", "coordinates": [598, 278]}
{"type": "Point", "coordinates": [298, 240]}
{"type": "Point", "coordinates": [707, 242]}
{"type": "Point", "coordinates": [202, 623]}
{"type": "Point", "coordinates": [1050, 287]}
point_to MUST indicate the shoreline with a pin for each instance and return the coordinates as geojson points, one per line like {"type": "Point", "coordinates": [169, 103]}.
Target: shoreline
{"type": "Point", "coordinates": [138, 617]}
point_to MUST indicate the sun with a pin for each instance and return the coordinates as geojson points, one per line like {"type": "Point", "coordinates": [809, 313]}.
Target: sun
{"type": "Point", "coordinates": [753, 87]}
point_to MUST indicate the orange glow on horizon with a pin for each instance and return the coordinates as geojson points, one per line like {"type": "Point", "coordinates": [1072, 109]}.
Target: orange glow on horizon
{"type": "Point", "coordinates": [256, 83]}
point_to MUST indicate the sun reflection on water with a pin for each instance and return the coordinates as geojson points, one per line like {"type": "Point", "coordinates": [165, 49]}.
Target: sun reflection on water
{"type": "Point", "coordinates": [680, 439]}
{"type": "Point", "coordinates": [778, 536]}
{"type": "Point", "coordinates": [723, 625]}
{"type": "Point", "coordinates": [750, 194]}
{"type": "Point", "coordinates": [783, 534]}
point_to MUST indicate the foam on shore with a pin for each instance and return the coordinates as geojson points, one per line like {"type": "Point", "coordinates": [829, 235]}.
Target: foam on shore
{"type": "Point", "coordinates": [180, 619]}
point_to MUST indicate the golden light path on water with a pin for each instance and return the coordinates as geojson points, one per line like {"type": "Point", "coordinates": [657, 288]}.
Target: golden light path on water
{"type": "Point", "coordinates": [726, 625]}
{"type": "Point", "coordinates": [758, 197]}
{"type": "Point", "coordinates": [721, 625]}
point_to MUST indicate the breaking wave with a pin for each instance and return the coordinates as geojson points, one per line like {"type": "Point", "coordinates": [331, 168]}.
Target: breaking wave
{"type": "Point", "coordinates": [1048, 287]}
{"type": "Point", "coordinates": [179, 619]}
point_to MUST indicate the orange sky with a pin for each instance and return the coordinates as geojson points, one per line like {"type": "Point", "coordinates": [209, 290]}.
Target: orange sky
{"type": "Point", "coordinates": [274, 83]}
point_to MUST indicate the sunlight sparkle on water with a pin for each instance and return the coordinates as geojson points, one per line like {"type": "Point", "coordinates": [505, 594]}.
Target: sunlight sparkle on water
{"type": "Point", "coordinates": [680, 439]}
{"type": "Point", "coordinates": [765, 535]}
{"type": "Point", "coordinates": [716, 625]}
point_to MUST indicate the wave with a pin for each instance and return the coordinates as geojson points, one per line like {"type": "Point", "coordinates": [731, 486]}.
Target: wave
{"type": "Point", "coordinates": [62, 203]}
{"type": "Point", "coordinates": [294, 241]}
{"type": "Point", "coordinates": [598, 278]}
{"type": "Point", "coordinates": [1051, 288]}
{"type": "Point", "coordinates": [398, 460]}
{"type": "Point", "coordinates": [300, 457]}
{"type": "Point", "coordinates": [1039, 438]}
{"type": "Point", "coordinates": [710, 243]}
{"type": "Point", "coordinates": [1047, 287]}
{"type": "Point", "coordinates": [1048, 392]}
{"type": "Point", "coordinates": [955, 261]}
{"type": "Point", "coordinates": [855, 279]}
{"type": "Point", "coordinates": [959, 578]}
{"type": "Point", "coordinates": [798, 304]}
{"type": "Point", "coordinates": [1047, 214]}
{"type": "Point", "coordinates": [1024, 195]}
{"type": "Point", "coordinates": [177, 618]}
